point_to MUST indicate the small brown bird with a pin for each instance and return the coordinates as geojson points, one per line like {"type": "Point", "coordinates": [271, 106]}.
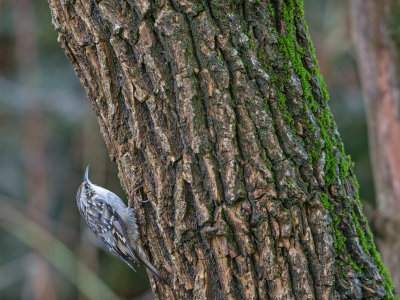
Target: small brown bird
{"type": "Point", "coordinates": [113, 222]}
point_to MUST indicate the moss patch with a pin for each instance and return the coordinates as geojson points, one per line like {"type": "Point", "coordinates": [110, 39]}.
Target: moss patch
{"type": "Point", "coordinates": [339, 244]}
{"type": "Point", "coordinates": [287, 45]}
{"type": "Point", "coordinates": [337, 164]}
{"type": "Point", "coordinates": [324, 199]}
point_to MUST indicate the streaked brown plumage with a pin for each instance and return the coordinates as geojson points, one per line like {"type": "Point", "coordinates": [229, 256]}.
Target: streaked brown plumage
{"type": "Point", "coordinates": [113, 222]}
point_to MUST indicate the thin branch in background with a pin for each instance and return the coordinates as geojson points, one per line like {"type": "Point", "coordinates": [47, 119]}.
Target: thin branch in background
{"type": "Point", "coordinates": [26, 50]}
{"type": "Point", "coordinates": [377, 47]}
{"type": "Point", "coordinates": [54, 252]}
{"type": "Point", "coordinates": [34, 141]}
{"type": "Point", "coordinates": [14, 271]}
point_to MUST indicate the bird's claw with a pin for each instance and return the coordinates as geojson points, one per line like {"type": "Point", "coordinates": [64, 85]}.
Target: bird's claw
{"type": "Point", "coordinates": [134, 196]}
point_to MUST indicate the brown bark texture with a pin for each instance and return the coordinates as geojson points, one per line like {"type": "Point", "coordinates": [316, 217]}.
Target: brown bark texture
{"type": "Point", "coordinates": [218, 108]}
{"type": "Point", "coordinates": [376, 28]}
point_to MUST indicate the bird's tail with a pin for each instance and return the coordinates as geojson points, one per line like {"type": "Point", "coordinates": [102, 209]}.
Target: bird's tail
{"type": "Point", "coordinates": [151, 268]}
{"type": "Point", "coordinates": [137, 254]}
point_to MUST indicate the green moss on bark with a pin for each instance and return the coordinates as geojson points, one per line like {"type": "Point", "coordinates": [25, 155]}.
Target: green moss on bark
{"type": "Point", "coordinates": [339, 244]}
{"type": "Point", "coordinates": [325, 201]}
{"type": "Point", "coordinates": [337, 164]}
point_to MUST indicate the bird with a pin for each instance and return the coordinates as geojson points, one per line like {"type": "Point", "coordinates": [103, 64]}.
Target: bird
{"type": "Point", "coordinates": [112, 222]}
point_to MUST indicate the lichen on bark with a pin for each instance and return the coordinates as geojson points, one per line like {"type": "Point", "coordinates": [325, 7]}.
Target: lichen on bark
{"type": "Point", "coordinates": [218, 107]}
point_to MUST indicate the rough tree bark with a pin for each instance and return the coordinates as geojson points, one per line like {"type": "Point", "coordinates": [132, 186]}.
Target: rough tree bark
{"type": "Point", "coordinates": [376, 31]}
{"type": "Point", "coordinates": [219, 109]}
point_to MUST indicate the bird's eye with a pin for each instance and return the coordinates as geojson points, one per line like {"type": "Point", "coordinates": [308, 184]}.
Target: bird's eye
{"type": "Point", "coordinates": [88, 191]}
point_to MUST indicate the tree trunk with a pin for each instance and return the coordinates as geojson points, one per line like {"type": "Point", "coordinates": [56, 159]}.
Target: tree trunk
{"type": "Point", "coordinates": [219, 109]}
{"type": "Point", "coordinates": [377, 35]}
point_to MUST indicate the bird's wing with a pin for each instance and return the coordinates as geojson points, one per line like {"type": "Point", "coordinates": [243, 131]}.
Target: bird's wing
{"type": "Point", "coordinates": [117, 254]}
{"type": "Point", "coordinates": [106, 222]}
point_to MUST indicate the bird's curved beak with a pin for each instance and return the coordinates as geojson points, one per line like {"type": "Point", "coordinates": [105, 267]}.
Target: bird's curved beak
{"type": "Point", "coordinates": [86, 177]}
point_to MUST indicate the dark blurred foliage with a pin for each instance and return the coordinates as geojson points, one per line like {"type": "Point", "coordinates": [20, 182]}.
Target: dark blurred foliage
{"type": "Point", "coordinates": [48, 134]}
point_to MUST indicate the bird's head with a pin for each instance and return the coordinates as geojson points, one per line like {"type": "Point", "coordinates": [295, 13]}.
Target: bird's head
{"type": "Point", "coordinates": [92, 193]}
{"type": "Point", "coordinates": [86, 190]}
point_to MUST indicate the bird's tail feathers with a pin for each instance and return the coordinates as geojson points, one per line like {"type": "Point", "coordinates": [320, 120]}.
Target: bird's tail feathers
{"type": "Point", "coordinates": [151, 268]}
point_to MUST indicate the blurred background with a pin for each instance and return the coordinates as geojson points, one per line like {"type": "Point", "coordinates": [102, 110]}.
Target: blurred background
{"type": "Point", "coordinates": [48, 134]}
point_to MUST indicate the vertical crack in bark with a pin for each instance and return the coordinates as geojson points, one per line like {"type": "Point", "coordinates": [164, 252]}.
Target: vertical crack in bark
{"type": "Point", "coordinates": [289, 260]}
